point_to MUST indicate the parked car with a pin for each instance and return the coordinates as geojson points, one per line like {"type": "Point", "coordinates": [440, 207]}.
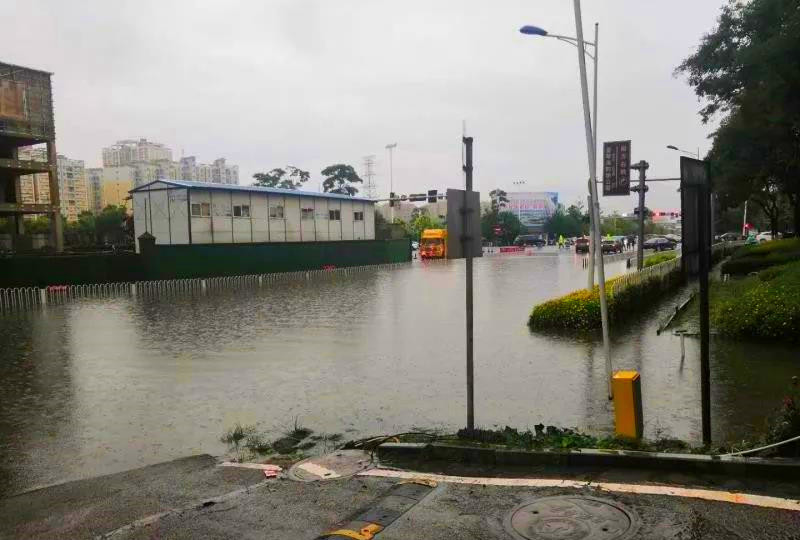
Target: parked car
{"type": "Point", "coordinates": [730, 237]}
{"type": "Point", "coordinates": [659, 243]}
{"type": "Point", "coordinates": [764, 237]}
{"type": "Point", "coordinates": [751, 240]}
{"type": "Point", "coordinates": [582, 245]}
{"type": "Point", "coordinates": [611, 245]}
{"type": "Point", "coordinates": [526, 240]}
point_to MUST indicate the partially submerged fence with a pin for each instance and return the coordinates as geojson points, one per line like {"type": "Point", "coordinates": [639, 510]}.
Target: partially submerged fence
{"type": "Point", "coordinates": [21, 298]}
{"type": "Point", "coordinates": [632, 279]}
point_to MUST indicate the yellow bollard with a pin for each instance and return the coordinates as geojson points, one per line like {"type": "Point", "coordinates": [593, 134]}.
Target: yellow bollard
{"type": "Point", "coordinates": [628, 404]}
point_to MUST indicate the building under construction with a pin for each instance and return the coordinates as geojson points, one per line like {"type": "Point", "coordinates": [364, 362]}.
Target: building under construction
{"type": "Point", "coordinates": [26, 119]}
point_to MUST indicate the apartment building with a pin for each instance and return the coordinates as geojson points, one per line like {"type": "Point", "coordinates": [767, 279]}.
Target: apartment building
{"type": "Point", "coordinates": [218, 172]}
{"type": "Point", "coordinates": [94, 187]}
{"type": "Point", "coordinates": [73, 191]}
{"type": "Point", "coordinates": [129, 151]}
{"type": "Point", "coordinates": [34, 188]}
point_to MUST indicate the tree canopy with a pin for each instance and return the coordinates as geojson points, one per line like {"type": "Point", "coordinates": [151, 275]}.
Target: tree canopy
{"type": "Point", "coordinates": [340, 178]}
{"type": "Point", "coordinates": [288, 178]}
{"type": "Point", "coordinates": [747, 70]}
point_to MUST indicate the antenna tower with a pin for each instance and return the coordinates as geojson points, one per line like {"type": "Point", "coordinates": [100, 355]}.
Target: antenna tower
{"type": "Point", "coordinates": [369, 177]}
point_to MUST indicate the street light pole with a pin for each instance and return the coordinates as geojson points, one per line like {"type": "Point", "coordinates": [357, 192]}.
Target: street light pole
{"type": "Point", "coordinates": [590, 279]}
{"type": "Point", "coordinates": [590, 147]}
{"type": "Point", "coordinates": [391, 147]}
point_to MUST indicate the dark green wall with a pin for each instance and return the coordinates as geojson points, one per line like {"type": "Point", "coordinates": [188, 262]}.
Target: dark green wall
{"type": "Point", "coordinates": [198, 260]}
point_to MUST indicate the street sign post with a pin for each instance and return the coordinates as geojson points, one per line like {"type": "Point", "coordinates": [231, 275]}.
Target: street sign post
{"type": "Point", "coordinates": [696, 252]}
{"type": "Point", "coordinates": [616, 168]}
{"type": "Point", "coordinates": [464, 241]}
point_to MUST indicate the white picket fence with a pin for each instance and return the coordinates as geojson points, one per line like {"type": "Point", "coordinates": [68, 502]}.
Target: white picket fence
{"type": "Point", "coordinates": [20, 298]}
{"type": "Point", "coordinates": [657, 271]}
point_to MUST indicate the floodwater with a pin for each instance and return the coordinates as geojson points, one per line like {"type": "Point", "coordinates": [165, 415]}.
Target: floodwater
{"type": "Point", "coordinates": [100, 386]}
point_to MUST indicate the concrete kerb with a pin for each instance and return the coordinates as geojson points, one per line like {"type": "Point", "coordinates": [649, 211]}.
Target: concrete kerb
{"type": "Point", "coordinates": [734, 466]}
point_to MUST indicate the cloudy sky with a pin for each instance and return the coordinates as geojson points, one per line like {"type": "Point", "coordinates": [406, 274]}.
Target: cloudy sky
{"type": "Point", "coordinates": [315, 82]}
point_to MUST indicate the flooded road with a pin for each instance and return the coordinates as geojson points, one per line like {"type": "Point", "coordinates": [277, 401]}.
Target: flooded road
{"type": "Point", "coordinates": [106, 385]}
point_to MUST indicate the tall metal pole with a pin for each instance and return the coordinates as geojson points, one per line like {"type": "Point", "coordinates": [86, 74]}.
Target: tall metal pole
{"type": "Point", "coordinates": [467, 243]}
{"type": "Point", "coordinates": [601, 275]}
{"type": "Point", "coordinates": [705, 370]}
{"type": "Point", "coordinates": [391, 180]}
{"type": "Point", "coordinates": [642, 166]}
{"type": "Point", "coordinates": [594, 136]}
{"type": "Point", "coordinates": [744, 220]}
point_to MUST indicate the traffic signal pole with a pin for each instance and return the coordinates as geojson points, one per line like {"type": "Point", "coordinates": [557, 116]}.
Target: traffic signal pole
{"type": "Point", "coordinates": [642, 167]}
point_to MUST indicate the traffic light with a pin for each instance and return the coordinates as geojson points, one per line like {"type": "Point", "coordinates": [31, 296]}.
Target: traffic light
{"type": "Point", "coordinates": [416, 197]}
{"type": "Point", "coordinates": [432, 195]}
{"type": "Point", "coordinates": [391, 199]}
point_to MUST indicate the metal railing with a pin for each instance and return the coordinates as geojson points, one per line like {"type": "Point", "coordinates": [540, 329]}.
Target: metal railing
{"type": "Point", "coordinates": [21, 298]}
{"type": "Point", "coordinates": [657, 271]}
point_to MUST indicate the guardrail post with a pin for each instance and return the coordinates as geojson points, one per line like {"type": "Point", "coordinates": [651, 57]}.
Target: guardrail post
{"type": "Point", "coordinates": [203, 285]}
{"type": "Point", "coordinates": [43, 296]}
{"type": "Point", "coordinates": [133, 290]}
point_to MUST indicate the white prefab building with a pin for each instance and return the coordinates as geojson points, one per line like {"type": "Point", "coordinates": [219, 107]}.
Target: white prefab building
{"type": "Point", "coordinates": [184, 212]}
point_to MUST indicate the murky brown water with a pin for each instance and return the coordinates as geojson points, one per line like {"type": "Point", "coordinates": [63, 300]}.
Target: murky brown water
{"type": "Point", "coordinates": [102, 386]}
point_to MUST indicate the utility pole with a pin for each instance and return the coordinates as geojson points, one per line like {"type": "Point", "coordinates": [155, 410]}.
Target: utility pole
{"type": "Point", "coordinates": [642, 166]}
{"type": "Point", "coordinates": [391, 147]}
{"type": "Point", "coordinates": [744, 220]}
{"type": "Point", "coordinates": [369, 177]}
{"type": "Point", "coordinates": [590, 284]}
{"type": "Point", "coordinates": [590, 147]}
{"type": "Point", "coordinates": [467, 243]}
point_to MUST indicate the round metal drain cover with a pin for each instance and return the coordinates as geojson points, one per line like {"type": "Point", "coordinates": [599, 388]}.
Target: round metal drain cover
{"type": "Point", "coordinates": [339, 464]}
{"type": "Point", "coordinates": [571, 518]}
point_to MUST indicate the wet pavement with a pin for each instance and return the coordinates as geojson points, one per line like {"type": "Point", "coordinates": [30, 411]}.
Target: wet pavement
{"type": "Point", "coordinates": [195, 498]}
{"type": "Point", "coordinates": [101, 386]}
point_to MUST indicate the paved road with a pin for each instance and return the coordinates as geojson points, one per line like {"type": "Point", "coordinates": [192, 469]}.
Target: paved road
{"type": "Point", "coordinates": [168, 502]}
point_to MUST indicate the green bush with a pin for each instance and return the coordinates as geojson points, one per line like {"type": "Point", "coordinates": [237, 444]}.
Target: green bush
{"type": "Point", "coordinates": [580, 310]}
{"type": "Point", "coordinates": [767, 306]}
{"type": "Point", "coordinates": [659, 258]}
{"type": "Point", "coordinates": [757, 257]}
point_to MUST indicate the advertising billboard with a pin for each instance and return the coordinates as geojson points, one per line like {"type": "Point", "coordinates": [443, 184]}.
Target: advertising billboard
{"type": "Point", "coordinates": [532, 208]}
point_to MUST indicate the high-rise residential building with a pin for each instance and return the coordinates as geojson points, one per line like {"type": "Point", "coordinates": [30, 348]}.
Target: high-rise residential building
{"type": "Point", "coordinates": [115, 193]}
{"type": "Point", "coordinates": [73, 191]}
{"type": "Point", "coordinates": [129, 151]}
{"type": "Point", "coordinates": [34, 188]}
{"type": "Point", "coordinates": [218, 173]}
{"type": "Point", "coordinates": [146, 172]}
{"type": "Point", "coordinates": [94, 187]}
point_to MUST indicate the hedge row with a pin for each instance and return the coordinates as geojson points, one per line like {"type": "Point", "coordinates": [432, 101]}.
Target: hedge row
{"type": "Point", "coordinates": [757, 257]}
{"type": "Point", "coordinates": [763, 306]}
{"type": "Point", "coordinates": [652, 260]}
{"type": "Point", "coordinates": [580, 310]}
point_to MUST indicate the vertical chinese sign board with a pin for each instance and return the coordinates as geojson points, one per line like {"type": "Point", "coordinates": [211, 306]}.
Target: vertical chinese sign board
{"type": "Point", "coordinates": [616, 168]}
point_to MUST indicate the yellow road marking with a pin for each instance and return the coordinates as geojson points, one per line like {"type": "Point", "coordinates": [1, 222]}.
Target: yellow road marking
{"type": "Point", "coordinates": [639, 489]}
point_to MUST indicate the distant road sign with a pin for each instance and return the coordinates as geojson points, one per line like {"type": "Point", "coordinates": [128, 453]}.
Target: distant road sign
{"type": "Point", "coordinates": [459, 204]}
{"type": "Point", "coordinates": [616, 168]}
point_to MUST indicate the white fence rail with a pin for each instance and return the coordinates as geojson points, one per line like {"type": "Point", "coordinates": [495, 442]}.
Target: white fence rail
{"type": "Point", "coordinates": [657, 271]}
{"type": "Point", "coordinates": [21, 298]}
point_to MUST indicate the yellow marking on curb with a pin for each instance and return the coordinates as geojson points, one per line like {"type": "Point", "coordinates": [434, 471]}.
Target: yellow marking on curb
{"type": "Point", "coordinates": [639, 489]}
{"type": "Point", "coordinates": [366, 533]}
{"type": "Point", "coordinates": [421, 481]}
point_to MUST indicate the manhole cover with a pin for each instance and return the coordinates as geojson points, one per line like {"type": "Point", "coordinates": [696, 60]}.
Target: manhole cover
{"type": "Point", "coordinates": [571, 518]}
{"type": "Point", "coordinates": [339, 464]}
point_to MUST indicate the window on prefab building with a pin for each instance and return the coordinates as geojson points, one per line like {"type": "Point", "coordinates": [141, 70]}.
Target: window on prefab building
{"type": "Point", "coordinates": [307, 213]}
{"type": "Point", "coordinates": [241, 210]}
{"type": "Point", "coordinates": [201, 209]}
{"type": "Point", "coordinates": [276, 212]}
{"type": "Point", "coordinates": [335, 215]}
{"type": "Point", "coordinates": [358, 216]}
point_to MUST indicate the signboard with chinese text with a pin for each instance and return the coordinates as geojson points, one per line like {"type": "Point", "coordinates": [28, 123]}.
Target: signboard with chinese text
{"type": "Point", "coordinates": [533, 209]}
{"type": "Point", "coordinates": [616, 168]}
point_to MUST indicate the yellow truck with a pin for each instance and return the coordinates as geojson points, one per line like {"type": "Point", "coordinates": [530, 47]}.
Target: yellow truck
{"type": "Point", "coordinates": [433, 244]}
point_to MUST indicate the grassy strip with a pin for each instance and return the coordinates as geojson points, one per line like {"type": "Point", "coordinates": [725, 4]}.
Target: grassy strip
{"type": "Point", "coordinates": [659, 258]}
{"type": "Point", "coordinates": [580, 310]}
{"type": "Point", "coordinates": [762, 306]}
{"type": "Point", "coordinates": [757, 257]}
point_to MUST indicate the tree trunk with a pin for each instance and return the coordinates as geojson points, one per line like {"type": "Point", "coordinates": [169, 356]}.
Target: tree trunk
{"type": "Point", "coordinates": [796, 203]}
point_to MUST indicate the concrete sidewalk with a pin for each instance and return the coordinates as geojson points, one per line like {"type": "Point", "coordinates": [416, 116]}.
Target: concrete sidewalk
{"type": "Point", "coordinates": [194, 498]}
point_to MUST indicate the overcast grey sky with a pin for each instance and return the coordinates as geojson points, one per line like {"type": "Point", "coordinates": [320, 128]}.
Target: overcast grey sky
{"type": "Point", "coordinates": [315, 82]}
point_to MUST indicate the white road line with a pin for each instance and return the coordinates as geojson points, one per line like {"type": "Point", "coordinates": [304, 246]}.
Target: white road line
{"type": "Point", "coordinates": [639, 489]}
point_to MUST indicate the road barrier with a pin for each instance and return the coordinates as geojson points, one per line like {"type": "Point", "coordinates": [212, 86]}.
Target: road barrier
{"type": "Point", "coordinates": [22, 298]}
{"type": "Point", "coordinates": [657, 271]}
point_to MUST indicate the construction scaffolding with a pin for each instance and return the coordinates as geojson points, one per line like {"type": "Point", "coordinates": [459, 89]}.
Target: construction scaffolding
{"type": "Point", "coordinates": [26, 119]}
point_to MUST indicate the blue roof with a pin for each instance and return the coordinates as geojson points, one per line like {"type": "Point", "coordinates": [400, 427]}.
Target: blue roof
{"type": "Point", "coordinates": [250, 189]}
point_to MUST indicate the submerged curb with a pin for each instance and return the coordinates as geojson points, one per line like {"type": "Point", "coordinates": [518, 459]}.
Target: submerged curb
{"type": "Point", "coordinates": [782, 468]}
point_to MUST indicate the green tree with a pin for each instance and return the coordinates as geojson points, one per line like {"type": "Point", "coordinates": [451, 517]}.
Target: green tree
{"type": "Point", "coordinates": [567, 224]}
{"type": "Point", "coordinates": [421, 222]}
{"type": "Point", "coordinates": [340, 178]}
{"type": "Point", "coordinates": [747, 70]}
{"type": "Point", "coordinates": [110, 225]}
{"type": "Point", "coordinates": [508, 223]}
{"type": "Point", "coordinates": [288, 178]}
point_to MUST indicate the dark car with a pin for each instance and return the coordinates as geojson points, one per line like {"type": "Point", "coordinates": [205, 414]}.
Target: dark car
{"type": "Point", "coordinates": [525, 240]}
{"type": "Point", "coordinates": [612, 246]}
{"type": "Point", "coordinates": [659, 244]}
{"type": "Point", "coordinates": [582, 245]}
